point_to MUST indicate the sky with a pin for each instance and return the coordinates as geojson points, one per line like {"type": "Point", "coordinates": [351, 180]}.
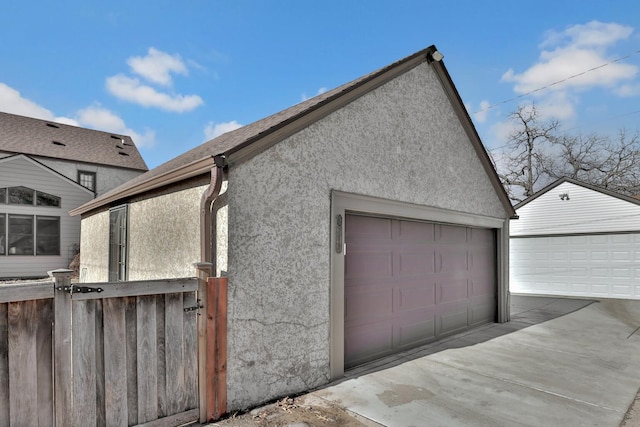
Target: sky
{"type": "Point", "coordinates": [173, 75]}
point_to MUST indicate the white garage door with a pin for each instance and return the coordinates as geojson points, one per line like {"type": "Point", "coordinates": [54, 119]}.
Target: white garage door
{"type": "Point", "coordinates": [600, 266]}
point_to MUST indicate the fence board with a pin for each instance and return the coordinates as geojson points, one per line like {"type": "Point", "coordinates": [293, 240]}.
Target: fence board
{"type": "Point", "coordinates": [25, 291]}
{"type": "Point", "coordinates": [84, 362]}
{"type": "Point", "coordinates": [132, 359]}
{"type": "Point", "coordinates": [147, 359]}
{"type": "Point", "coordinates": [4, 366]}
{"type": "Point", "coordinates": [174, 352]}
{"type": "Point", "coordinates": [161, 356]}
{"type": "Point", "coordinates": [44, 358]}
{"type": "Point", "coordinates": [115, 362]}
{"type": "Point", "coordinates": [100, 379]}
{"type": "Point", "coordinates": [23, 378]}
{"type": "Point", "coordinates": [138, 288]}
{"type": "Point", "coordinates": [190, 349]}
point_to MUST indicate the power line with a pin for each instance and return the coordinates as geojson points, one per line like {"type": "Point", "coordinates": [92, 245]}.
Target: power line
{"type": "Point", "coordinates": [622, 58]}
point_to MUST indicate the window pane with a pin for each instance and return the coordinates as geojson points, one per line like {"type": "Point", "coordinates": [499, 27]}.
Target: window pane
{"type": "Point", "coordinates": [47, 235]}
{"type": "Point", "coordinates": [87, 179]}
{"type": "Point", "coordinates": [20, 235]}
{"type": "Point", "coordinates": [44, 199]}
{"type": "Point", "coordinates": [118, 244]}
{"type": "Point", "coordinates": [3, 239]}
{"type": "Point", "coordinates": [3, 195]}
{"type": "Point", "coordinates": [20, 196]}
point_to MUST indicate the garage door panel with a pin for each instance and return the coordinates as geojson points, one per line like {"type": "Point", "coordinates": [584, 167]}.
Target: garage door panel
{"type": "Point", "coordinates": [370, 304]}
{"type": "Point", "coordinates": [368, 264]}
{"type": "Point", "coordinates": [429, 284]}
{"type": "Point", "coordinates": [416, 264]}
{"type": "Point", "coordinates": [420, 296]}
{"type": "Point", "coordinates": [452, 290]}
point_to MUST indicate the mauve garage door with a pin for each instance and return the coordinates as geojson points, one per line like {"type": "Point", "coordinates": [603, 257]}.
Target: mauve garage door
{"type": "Point", "coordinates": [408, 283]}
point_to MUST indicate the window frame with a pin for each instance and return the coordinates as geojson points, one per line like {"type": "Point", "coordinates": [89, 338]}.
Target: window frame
{"type": "Point", "coordinates": [10, 235]}
{"type": "Point", "coordinates": [118, 268]}
{"type": "Point", "coordinates": [3, 234]}
{"type": "Point", "coordinates": [93, 176]}
{"type": "Point", "coordinates": [38, 234]}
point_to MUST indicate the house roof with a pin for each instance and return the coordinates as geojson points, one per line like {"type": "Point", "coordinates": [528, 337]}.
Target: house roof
{"type": "Point", "coordinates": [43, 138]}
{"type": "Point", "coordinates": [245, 142]}
{"type": "Point", "coordinates": [581, 184]}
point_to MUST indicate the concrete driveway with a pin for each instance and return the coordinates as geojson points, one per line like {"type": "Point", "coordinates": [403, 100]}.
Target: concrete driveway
{"type": "Point", "coordinates": [559, 362]}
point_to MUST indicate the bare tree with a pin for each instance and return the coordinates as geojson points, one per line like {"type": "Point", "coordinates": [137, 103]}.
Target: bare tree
{"type": "Point", "coordinates": [614, 165]}
{"type": "Point", "coordinates": [527, 159]}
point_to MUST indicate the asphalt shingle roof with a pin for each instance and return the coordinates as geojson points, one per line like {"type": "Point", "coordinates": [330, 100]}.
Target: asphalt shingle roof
{"type": "Point", "coordinates": [26, 135]}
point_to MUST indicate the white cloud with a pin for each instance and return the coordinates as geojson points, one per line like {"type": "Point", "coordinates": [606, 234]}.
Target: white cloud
{"type": "Point", "coordinates": [94, 117]}
{"type": "Point", "coordinates": [11, 101]}
{"type": "Point", "coordinates": [157, 66]}
{"type": "Point", "coordinates": [132, 90]}
{"type": "Point", "coordinates": [213, 130]}
{"type": "Point", "coordinates": [97, 117]}
{"type": "Point", "coordinates": [322, 90]}
{"type": "Point", "coordinates": [628, 90]}
{"type": "Point", "coordinates": [480, 116]}
{"type": "Point", "coordinates": [577, 49]}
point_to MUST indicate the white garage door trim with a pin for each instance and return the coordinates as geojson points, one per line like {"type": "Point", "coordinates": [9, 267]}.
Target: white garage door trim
{"type": "Point", "coordinates": [602, 265]}
{"type": "Point", "coordinates": [344, 202]}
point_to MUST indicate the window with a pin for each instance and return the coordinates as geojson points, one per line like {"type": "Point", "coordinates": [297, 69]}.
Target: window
{"type": "Point", "coordinates": [20, 196]}
{"type": "Point", "coordinates": [3, 237]}
{"type": "Point", "coordinates": [3, 195]}
{"type": "Point", "coordinates": [118, 244]}
{"type": "Point", "coordinates": [27, 196]}
{"type": "Point", "coordinates": [87, 179]}
{"type": "Point", "coordinates": [20, 235]}
{"type": "Point", "coordinates": [47, 235]}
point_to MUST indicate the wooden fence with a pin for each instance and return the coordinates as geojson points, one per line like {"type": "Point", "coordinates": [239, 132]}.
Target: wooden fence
{"type": "Point", "coordinates": [106, 354]}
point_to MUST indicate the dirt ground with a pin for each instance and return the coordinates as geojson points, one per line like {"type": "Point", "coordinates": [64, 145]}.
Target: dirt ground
{"type": "Point", "coordinates": [296, 412]}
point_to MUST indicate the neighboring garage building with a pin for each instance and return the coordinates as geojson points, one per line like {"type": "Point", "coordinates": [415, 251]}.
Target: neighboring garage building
{"type": "Point", "coordinates": [387, 168]}
{"type": "Point", "coordinates": [575, 239]}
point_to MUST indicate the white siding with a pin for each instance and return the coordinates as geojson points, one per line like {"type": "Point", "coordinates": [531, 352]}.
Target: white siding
{"type": "Point", "coordinates": [586, 211]}
{"type": "Point", "coordinates": [20, 171]}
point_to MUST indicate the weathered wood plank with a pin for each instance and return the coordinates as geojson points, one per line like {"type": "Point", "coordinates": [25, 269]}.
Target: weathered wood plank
{"type": "Point", "coordinates": [190, 339]}
{"type": "Point", "coordinates": [175, 354]}
{"type": "Point", "coordinates": [100, 378]}
{"type": "Point", "coordinates": [84, 362]}
{"type": "Point", "coordinates": [147, 359]}
{"type": "Point", "coordinates": [23, 378]}
{"type": "Point", "coordinates": [132, 359]}
{"type": "Point", "coordinates": [115, 362]}
{"type": "Point", "coordinates": [174, 420]}
{"type": "Point", "coordinates": [63, 374]}
{"type": "Point", "coordinates": [138, 288]}
{"type": "Point", "coordinates": [45, 362]}
{"type": "Point", "coordinates": [221, 346]}
{"type": "Point", "coordinates": [4, 365]}
{"type": "Point", "coordinates": [25, 291]}
{"type": "Point", "coordinates": [161, 375]}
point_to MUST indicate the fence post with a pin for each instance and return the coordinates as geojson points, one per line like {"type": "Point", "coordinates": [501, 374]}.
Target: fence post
{"type": "Point", "coordinates": [62, 353]}
{"type": "Point", "coordinates": [203, 271]}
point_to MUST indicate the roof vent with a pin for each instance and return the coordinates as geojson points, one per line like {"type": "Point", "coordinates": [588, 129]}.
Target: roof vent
{"type": "Point", "coordinates": [61, 144]}
{"type": "Point", "coordinates": [51, 125]}
{"type": "Point", "coordinates": [119, 147]}
{"type": "Point", "coordinates": [116, 137]}
{"type": "Point", "coordinates": [122, 153]}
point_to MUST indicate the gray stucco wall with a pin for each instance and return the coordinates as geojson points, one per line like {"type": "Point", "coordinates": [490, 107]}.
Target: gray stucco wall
{"type": "Point", "coordinates": [94, 248]}
{"type": "Point", "coordinates": [400, 142]}
{"type": "Point", "coordinates": [163, 240]}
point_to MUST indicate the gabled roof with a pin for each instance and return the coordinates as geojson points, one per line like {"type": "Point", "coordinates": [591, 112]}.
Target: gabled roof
{"type": "Point", "coordinates": [46, 168]}
{"type": "Point", "coordinates": [245, 142]}
{"type": "Point", "coordinates": [35, 137]}
{"type": "Point", "coordinates": [581, 184]}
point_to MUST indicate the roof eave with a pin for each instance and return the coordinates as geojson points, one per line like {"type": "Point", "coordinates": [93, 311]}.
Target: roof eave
{"type": "Point", "coordinates": [198, 167]}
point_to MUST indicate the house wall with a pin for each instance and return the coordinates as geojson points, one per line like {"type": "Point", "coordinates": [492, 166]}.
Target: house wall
{"type": "Point", "coordinates": [107, 177]}
{"type": "Point", "coordinates": [163, 238]}
{"type": "Point", "coordinates": [19, 171]}
{"type": "Point", "coordinates": [586, 211]}
{"type": "Point", "coordinates": [400, 142]}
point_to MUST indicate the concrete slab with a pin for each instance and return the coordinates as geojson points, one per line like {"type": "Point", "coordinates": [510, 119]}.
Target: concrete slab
{"type": "Point", "coordinates": [559, 362]}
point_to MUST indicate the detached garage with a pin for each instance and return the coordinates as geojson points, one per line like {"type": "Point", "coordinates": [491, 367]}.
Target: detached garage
{"type": "Point", "coordinates": [575, 239]}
